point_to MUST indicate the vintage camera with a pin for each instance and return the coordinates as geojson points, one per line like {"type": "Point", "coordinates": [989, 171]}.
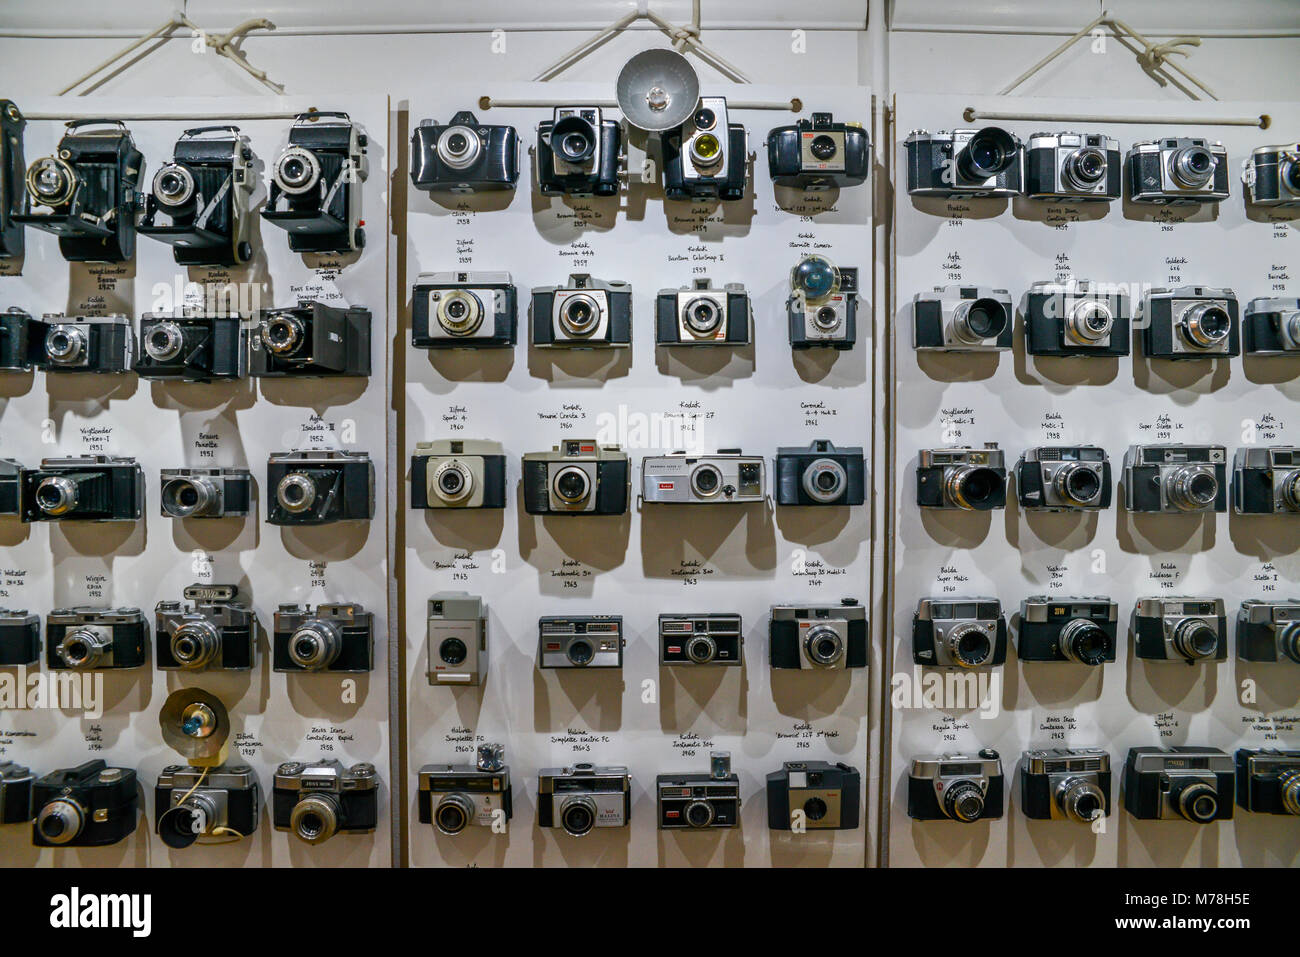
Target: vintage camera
{"type": "Point", "coordinates": [1192, 783]}
{"type": "Point", "coordinates": [576, 477]}
{"type": "Point", "coordinates": [15, 333]}
{"type": "Point", "coordinates": [87, 192]}
{"type": "Point", "coordinates": [1271, 175]}
{"type": "Point", "coordinates": [975, 163]}
{"type": "Point", "coordinates": [823, 304]}
{"type": "Point", "coordinates": [586, 314]}
{"type": "Point", "coordinates": [584, 797]}
{"type": "Point", "coordinates": [199, 202]}
{"type": "Point", "coordinates": [959, 633]}
{"type": "Point", "coordinates": [818, 154]}
{"type": "Point", "coordinates": [1192, 630]}
{"type": "Point", "coordinates": [700, 800]}
{"type": "Point", "coordinates": [191, 803]}
{"type": "Point", "coordinates": [216, 633]}
{"type": "Point", "coordinates": [1177, 171]}
{"type": "Point", "coordinates": [1176, 479]}
{"type": "Point", "coordinates": [828, 795]}
{"type": "Point", "coordinates": [451, 797]}
{"type": "Point", "coordinates": [15, 792]}
{"type": "Point", "coordinates": [311, 340]}
{"type": "Point", "coordinates": [86, 638]}
{"type": "Point", "coordinates": [1266, 481]}
{"type": "Point", "coordinates": [578, 153]}
{"type": "Point", "coordinates": [206, 493]}
{"type": "Point", "coordinates": [711, 638]}
{"type": "Point", "coordinates": [956, 787]}
{"type": "Point", "coordinates": [1076, 318]}
{"type": "Point", "coordinates": [1082, 630]}
{"type": "Point", "coordinates": [1269, 630]}
{"type": "Point", "coordinates": [706, 157]}
{"type": "Point", "coordinates": [335, 638]}
{"type": "Point", "coordinates": [319, 487]}
{"type": "Point", "coordinates": [458, 473]}
{"type": "Point", "coordinates": [699, 315]}
{"type": "Point", "coordinates": [457, 636]}
{"type": "Point", "coordinates": [1065, 784]}
{"type": "Point", "coordinates": [10, 483]}
{"type": "Point", "coordinates": [318, 799]}
{"type": "Point", "coordinates": [1271, 327]}
{"type": "Point", "coordinates": [580, 641]}
{"type": "Point", "coordinates": [470, 310]}
{"type": "Point", "coordinates": [20, 637]}
{"type": "Point", "coordinates": [192, 346]}
{"type": "Point", "coordinates": [12, 169]}
{"type": "Point", "coordinates": [727, 476]}
{"type": "Point", "coordinates": [91, 805]}
{"type": "Point", "coordinates": [966, 478]}
{"type": "Point", "coordinates": [315, 191]}
{"type": "Point", "coordinates": [1268, 780]}
{"type": "Point", "coordinates": [821, 474]}
{"type": "Point", "coordinates": [464, 156]}
{"type": "Point", "coordinates": [1072, 167]}
{"type": "Point", "coordinates": [1190, 322]}
{"type": "Point", "coordinates": [962, 319]}
{"type": "Point", "coordinates": [1064, 478]}
{"type": "Point", "coordinates": [85, 344]}
{"type": "Point", "coordinates": [82, 488]}
{"type": "Point", "coordinates": [818, 637]}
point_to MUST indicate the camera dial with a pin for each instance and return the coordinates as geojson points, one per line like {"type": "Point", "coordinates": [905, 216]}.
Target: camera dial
{"type": "Point", "coordinates": [578, 815]}
{"type": "Point", "coordinates": [1193, 488]}
{"type": "Point", "coordinates": [1194, 639]}
{"type": "Point", "coordinates": [1084, 641]}
{"type": "Point", "coordinates": [459, 311]}
{"type": "Point", "coordinates": [973, 487]}
{"type": "Point", "coordinates": [964, 802]}
{"type": "Point", "coordinates": [969, 645]}
{"type": "Point", "coordinates": [1090, 321]}
{"type": "Point", "coordinates": [51, 182]}
{"type": "Point", "coordinates": [571, 485]}
{"type": "Point", "coordinates": [195, 644]}
{"type": "Point", "coordinates": [56, 495]}
{"type": "Point", "coordinates": [65, 345]}
{"type": "Point", "coordinates": [1080, 800]}
{"type": "Point", "coordinates": [1205, 325]}
{"type": "Point", "coordinates": [282, 333]}
{"type": "Point", "coordinates": [173, 185]}
{"type": "Point", "coordinates": [824, 480]}
{"type": "Point", "coordinates": [453, 481]}
{"type": "Point", "coordinates": [295, 493]}
{"type": "Point", "coordinates": [454, 813]}
{"type": "Point", "coordinates": [701, 649]}
{"type": "Point", "coordinates": [61, 821]}
{"type": "Point", "coordinates": [1191, 166]}
{"type": "Point", "coordinates": [84, 647]}
{"type": "Point", "coordinates": [1195, 800]}
{"type": "Point", "coordinates": [297, 170]}
{"type": "Point", "coordinates": [164, 341]}
{"type": "Point", "coordinates": [183, 497]}
{"type": "Point", "coordinates": [315, 645]}
{"type": "Point", "coordinates": [702, 316]}
{"type": "Point", "coordinates": [459, 147]}
{"type": "Point", "coordinates": [823, 646]}
{"type": "Point", "coordinates": [1077, 484]}
{"type": "Point", "coordinates": [975, 320]}
{"type": "Point", "coordinates": [315, 818]}
{"type": "Point", "coordinates": [987, 153]}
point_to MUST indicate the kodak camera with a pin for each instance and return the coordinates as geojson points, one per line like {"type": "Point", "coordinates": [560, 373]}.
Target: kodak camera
{"type": "Point", "coordinates": [576, 477]}
{"type": "Point", "coordinates": [823, 304]}
{"type": "Point", "coordinates": [458, 473]}
{"type": "Point", "coordinates": [1177, 171]}
{"type": "Point", "coordinates": [452, 797]}
{"type": "Point", "coordinates": [193, 803]}
{"type": "Point", "coordinates": [818, 154]}
{"type": "Point", "coordinates": [959, 633]}
{"type": "Point", "coordinates": [192, 346]}
{"type": "Point", "coordinates": [206, 493]}
{"type": "Point", "coordinates": [1271, 175]}
{"type": "Point", "coordinates": [82, 488]}
{"type": "Point", "coordinates": [956, 787]}
{"type": "Point", "coordinates": [1192, 783]}
{"type": "Point", "coordinates": [215, 633]}
{"type": "Point", "coordinates": [1076, 318]}
{"type": "Point", "coordinates": [706, 157]}
{"type": "Point", "coordinates": [1065, 784]}
{"type": "Point", "coordinates": [12, 169]}
{"type": "Point", "coordinates": [818, 637]}
{"type": "Point", "coordinates": [1269, 630]}
{"type": "Point", "coordinates": [1082, 630]}
{"type": "Point", "coordinates": [15, 334]}
{"type": "Point", "coordinates": [92, 639]}
{"type": "Point", "coordinates": [974, 163]}
{"type": "Point", "coordinates": [966, 478]}
{"type": "Point", "coordinates": [700, 800]}
{"type": "Point", "coordinates": [199, 202]}
{"type": "Point", "coordinates": [87, 192]}
{"type": "Point", "coordinates": [586, 314]}
{"type": "Point", "coordinates": [583, 797]}
{"type": "Point", "coordinates": [318, 799]}
{"type": "Point", "coordinates": [311, 340]}
{"type": "Point", "coordinates": [727, 476]}
{"type": "Point", "coordinates": [82, 344]}
{"type": "Point", "coordinates": [1271, 327]}
{"type": "Point", "coordinates": [335, 638]}
{"type": "Point", "coordinates": [1072, 167]}
{"type": "Point", "coordinates": [1064, 478]}
{"type": "Point", "coordinates": [15, 793]}
{"type": "Point", "coordinates": [821, 474]}
{"type": "Point", "coordinates": [20, 637]}
{"type": "Point", "coordinates": [464, 156]}
{"type": "Point", "coordinates": [1266, 481]}
{"type": "Point", "coordinates": [319, 487]}
{"type": "Point", "coordinates": [464, 310]}
{"type": "Point", "coordinates": [1190, 322]}
{"type": "Point", "coordinates": [1192, 630]}
{"type": "Point", "coordinates": [1268, 780]}
{"type": "Point", "coordinates": [699, 315]}
{"type": "Point", "coordinates": [578, 153]}
{"type": "Point", "coordinates": [315, 191]}
{"type": "Point", "coordinates": [580, 641]}
{"type": "Point", "coordinates": [1176, 479]}
{"type": "Point", "coordinates": [711, 638]}
{"type": "Point", "coordinates": [825, 796]}
{"type": "Point", "coordinates": [91, 805]}
{"type": "Point", "coordinates": [457, 637]}
{"type": "Point", "coordinates": [962, 319]}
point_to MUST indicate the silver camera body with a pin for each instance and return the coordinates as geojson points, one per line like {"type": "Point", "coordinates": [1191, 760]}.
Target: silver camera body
{"type": "Point", "coordinates": [580, 641]}
{"type": "Point", "coordinates": [959, 632]}
{"type": "Point", "coordinates": [1071, 478]}
{"type": "Point", "coordinates": [963, 319]}
{"type": "Point", "coordinates": [1177, 171]}
{"type": "Point", "coordinates": [1175, 479]}
{"type": "Point", "coordinates": [88, 343]}
{"type": "Point", "coordinates": [453, 797]}
{"type": "Point", "coordinates": [465, 306]}
{"type": "Point", "coordinates": [704, 316]}
{"type": "Point", "coordinates": [1075, 781]}
{"type": "Point", "coordinates": [726, 476]}
{"type": "Point", "coordinates": [1080, 166]}
{"type": "Point", "coordinates": [216, 632]}
{"type": "Point", "coordinates": [206, 493]}
{"type": "Point", "coordinates": [460, 473]}
{"type": "Point", "coordinates": [457, 636]}
{"type": "Point", "coordinates": [583, 797]}
{"type": "Point", "coordinates": [1190, 322]}
{"type": "Point", "coordinates": [1179, 628]}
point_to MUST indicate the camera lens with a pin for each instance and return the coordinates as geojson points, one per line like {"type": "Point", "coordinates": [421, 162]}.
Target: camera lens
{"type": "Point", "coordinates": [1085, 168]}
{"type": "Point", "coordinates": [701, 649]}
{"type": "Point", "coordinates": [976, 320]}
{"type": "Point", "coordinates": [1193, 488]}
{"type": "Point", "coordinates": [315, 818]}
{"type": "Point", "coordinates": [1289, 176]}
{"type": "Point", "coordinates": [453, 651]}
{"type": "Point", "coordinates": [1085, 642]}
{"type": "Point", "coordinates": [706, 481]}
{"type": "Point", "coordinates": [571, 485]}
{"type": "Point", "coordinates": [814, 809]}
{"type": "Point", "coordinates": [1191, 166]}
{"type": "Point", "coordinates": [974, 487]}
{"type": "Point", "coordinates": [60, 821]}
{"type": "Point", "coordinates": [964, 801]}
{"type": "Point", "coordinates": [823, 147]}
{"type": "Point", "coordinates": [987, 153]}
{"type": "Point", "coordinates": [574, 139]}
{"type": "Point", "coordinates": [56, 495]}
{"type": "Point", "coordinates": [65, 345]}
{"type": "Point", "coordinates": [1090, 321]}
{"type": "Point", "coordinates": [969, 645]}
{"type": "Point", "coordinates": [315, 645]}
{"type": "Point", "coordinates": [706, 150]}
{"type": "Point", "coordinates": [173, 185]}
{"type": "Point", "coordinates": [699, 814]}
{"type": "Point", "coordinates": [1194, 639]}
{"type": "Point", "coordinates": [176, 827]}
{"type": "Point", "coordinates": [1195, 800]}
{"type": "Point", "coordinates": [704, 119]}
{"type": "Point", "coordinates": [1288, 640]}
{"type": "Point", "coordinates": [702, 316]}
{"type": "Point", "coordinates": [816, 278]}
{"type": "Point", "coordinates": [51, 182]}
{"type": "Point", "coordinates": [1080, 485]}
{"type": "Point", "coordinates": [459, 147]}
{"type": "Point", "coordinates": [580, 315]}
{"type": "Point", "coordinates": [196, 644]}
{"type": "Point", "coordinates": [580, 652]}
{"type": "Point", "coordinates": [84, 647]}
{"type": "Point", "coordinates": [1289, 784]}
{"type": "Point", "coordinates": [824, 480]}
{"type": "Point", "coordinates": [459, 311]}
{"type": "Point", "coordinates": [164, 341]}
{"type": "Point", "coordinates": [454, 813]}
{"type": "Point", "coordinates": [296, 493]}
{"type": "Point", "coordinates": [823, 646]}
{"type": "Point", "coordinates": [297, 170]}
{"type": "Point", "coordinates": [1205, 325]}
{"type": "Point", "coordinates": [578, 815]}
{"type": "Point", "coordinates": [1080, 800]}
{"type": "Point", "coordinates": [826, 318]}
{"type": "Point", "coordinates": [187, 497]}
{"type": "Point", "coordinates": [282, 333]}
{"type": "Point", "coordinates": [453, 481]}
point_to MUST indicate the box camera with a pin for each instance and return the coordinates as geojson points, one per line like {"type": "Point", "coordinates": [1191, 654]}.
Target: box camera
{"type": "Point", "coordinates": [1065, 784]}
{"type": "Point", "coordinates": [966, 478]}
{"type": "Point", "coordinates": [1266, 481]}
{"type": "Point", "coordinates": [823, 304]}
{"type": "Point", "coordinates": [319, 487]}
{"type": "Point", "coordinates": [974, 163]}
{"type": "Point", "coordinates": [311, 340]}
{"type": "Point", "coordinates": [1076, 318]}
{"type": "Point", "coordinates": [86, 638]}
{"type": "Point", "coordinates": [87, 192]}
{"type": "Point", "coordinates": [826, 796]}
{"type": "Point", "coordinates": [470, 310]}
{"type": "Point", "coordinates": [583, 797]}
{"type": "Point", "coordinates": [192, 346]}
{"type": "Point", "coordinates": [1271, 175]}
{"type": "Point", "coordinates": [336, 638]}
{"type": "Point", "coordinates": [1064, 478]}
{"type": "Point", "coordinates": [959, 633]}
{"type": "Point", "coordinates": [821, 474]}
{"type": "Point", "coordinates": [1271, 327]}
{"type": "Point", "coordinates": [464, 156]}
{"type": "Point", "coordinates": [578, 153]}
{"type": "Point", "coordinates": [1082, 630]}
{"type": "Point", "coordinates": [12, 169]}
{"type": "Point", "coordinates": [20, 637]}
{"type": "Point", "coordinates": [91, 805]}
{"type": "Point", "coordinates": [15, 793]}
{"type": "Point", "coordinates": [1268, 780]}
{"type": "Point", "coordinates": [318, 799]}
{"type": "Point", "coordinates": [83, 488]}
{"type": "Point", "coordinates": [962, 319]}
{"type": "Point", "coordinates": [818, 154]}
{"type": "Point", "coordinates": [15, 334]}
{"type": "Point", "coordinates": [576, 477]}
{"type": "Point", "coordinates": [191, 803]}
{"type": "Point", "coordinates": [457, 636]}
{"type": "Point", "coordinates": [727, 476]}
{"type": "Point", "coordinates": [1176, 479]}
{"type": "Point", "coordinates": [1177, 171]}
{"type": "Point", "coordinates": [580, 641]}
{"type": "Point", "coordinates": [699, 315]}
{"type": "Point", "coordinates": [199, 202]}
{"type": "Point", "coordinates": [711, 638]}
{"type": "Point", "coordinates": [956, 787]}
{"type": "Point", "coordinates": [1269, 630]}
{"type": "Point", "coordinates": [1190, 322]}
{"type": "Point", "coordinates": [1192, 783]}
{"type": "Point", "coordinates": [586, 314]}
{"type": "Point", "coordinates": [1072, 167]}
{"type": "Point", "coordinates": [85, 344]}
{"type": "Point", "coordinates": [707, 156]}
{"type": "Point", "coordinates": [458, 473]}
{"type": "Point", "coordinates": [818, 637]}
{"type": "Point", "coordinates": [206, 493]}
{"type": "Point", "coordinates": [451, 797]}
{"type": "Point", "coordinates": [216, 633]}
{"type": "Point", "coordinates": [315, 191]}
{"type": "Point", "coordinates": [1192, 630]}
{"type": "Point", "coordinates": [700, 800]}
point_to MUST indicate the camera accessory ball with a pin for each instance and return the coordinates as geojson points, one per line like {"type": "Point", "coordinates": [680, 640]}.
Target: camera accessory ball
{"type": "Point", "coordinates": [195, 724]}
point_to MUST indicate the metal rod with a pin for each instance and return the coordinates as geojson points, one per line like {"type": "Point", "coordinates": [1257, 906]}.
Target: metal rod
{"type": "Point", "coordinates": [133, 45]}
{"type": "Point", "coordinates": [794, 104]}
{"type": "Point", "coordinates": [1262, 121]}
{"type": "Point", "coordinates": [149, 117]}
{"type": "Point", "coordinates": [586, 46]}
{"type": "Point", "coordinates": [1052, 56]}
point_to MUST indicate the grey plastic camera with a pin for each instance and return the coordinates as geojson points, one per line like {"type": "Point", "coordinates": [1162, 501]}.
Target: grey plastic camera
{"type": "Point", "coordinates": [457, 636]}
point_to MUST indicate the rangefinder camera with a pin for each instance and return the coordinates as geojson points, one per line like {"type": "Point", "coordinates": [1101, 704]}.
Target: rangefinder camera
{"type": "Point", "coordinates": [452, 797]}
{"type": "Point", "coordinates": [315, 191]}
{"type": "Point", "coordinates": [215, 631]}
{"type": "Point", "coordinates": [464, 310]}
{"type": "Point", "coordinates": [586, 314]}
{"type": "Point", "coordinates": [319, 487]}
{"type": "Point", "coordinates": [580, 798]}
{"type": "Point", "coordinates": [699, 800]}
{"type": "Point", "coordinates": [311, 340]}
{"type": "Point", "coordinates": [823, 304]}
{"type": "Point", "coordinates": [464, 156]}
{"type": "Point", "coordinates": [959, 633]}
{"type": "Point", "coordinates": [458, 473]}
{"type": "Point", "coordinates": [1176, 479]}
{"type": "Point", "coordinates": [20, 637]}
{"type": "Point", "coordinates": [1271, 327]}
{"type": "Point", "coordinates": [699, 315]}
{"type": "Point", "coordinates": [1268, 780]}
{"type": "Point", "coordinates": [1192, 630]}
{"type": "Point", "coordinates": [337, 638]}
{"type": "Point", "coordinates": [1065, 784]}
{"type": "Point", "coordinates": [824, 796]}
{"type": "Point", "coordinates": [87, 638]}
{"type": "Point", "coordinates": [13, 166]}
{"type": "Point", "coordinates": [1082, 630]}
{"type": "Point", "coordinates": [820, 474]}
{"type": "Point", "coordinates": [1266, 481]}
{"type": "Point", "coordinates": [82, 488]}
{"type": "Point", "coordinates": [1190, 322]}
{"type": "Point", "coordinates": [1072, 167]}
{"type": "Point", "coordinates": [707, 156]}
{"type": "Point", "coordinates": [576, 477]}
{"type": "Point", "coordinates": [457, 639]}
{"type": "Point", "coordinates": [727, 476]}
{"type": "Point", "coordinates": [1064, 478]}
{"type": "Point", "coordinates": [1190, 783]}
{"type": "Point", "coordinates": [1076, 318]}
{"type": "Point", "coordinates": [206, 493]}
{"type": "Point", "coordinates": [318, 799]}
{"type": "Point", "coordinates": [956, 787]}
{"type": "Point", "coordinates": [581, 641]}
{"type": "Point", "coordinates": [91, 805]}
{"type": "Point", "coordinates": [966, 478]}
{"type": "Point", "coordinates": [15, 793]}
{"type": "Point", "coordinates": [1177, 171]}
{"type": "Point", "coordinates": [15, 333]}
{"type": "Point", "coordinates": [712, 638]}
{"type": "Point", "coordinates": [82, 344]}
{"type": "Point", "coordinates": [192, 804]}
{"type": "Point", "coordinates": [962, 319]}
{"type": "Point", "coordinates": [579, 151]}
{"type": "Point", "coordinates": [1271, 175]}
{"type": "Point", "coordinates": [974, 163]}
{"type": "Point", "coordinates": [818, 637]}
{"type": "Point", "coordinates": [192, 346]}
{"type": "Point", "coordinates": [818, 154]}
{"type": "Point", "coordinates": [1269, 630]}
